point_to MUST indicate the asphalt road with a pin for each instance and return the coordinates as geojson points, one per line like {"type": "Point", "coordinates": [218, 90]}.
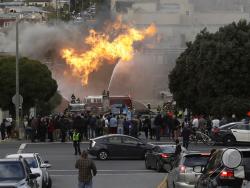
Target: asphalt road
{"type": "Point", "coordinates": [111, 173]}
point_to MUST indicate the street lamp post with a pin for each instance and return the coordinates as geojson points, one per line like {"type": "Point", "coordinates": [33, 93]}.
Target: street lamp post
{"type": "Point", "coordinates": [18, 100]}
{"type": "Point", "coordinates": [17, 80]}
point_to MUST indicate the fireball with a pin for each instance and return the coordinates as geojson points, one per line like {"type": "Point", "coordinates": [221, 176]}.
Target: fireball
{"type": "Point", "coordinates": [105, 47]}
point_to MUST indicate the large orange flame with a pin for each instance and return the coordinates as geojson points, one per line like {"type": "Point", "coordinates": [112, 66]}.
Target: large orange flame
{"type": "Point", "coordinates": [105, 47]}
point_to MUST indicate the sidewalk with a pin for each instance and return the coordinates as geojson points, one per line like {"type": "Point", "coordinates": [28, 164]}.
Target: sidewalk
{"type": "Point", "coordinates": [12, 140]}
{"type": "Point", "coordinates": [162, 140]}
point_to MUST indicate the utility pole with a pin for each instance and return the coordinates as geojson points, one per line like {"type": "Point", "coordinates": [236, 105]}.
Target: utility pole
{"type": "Point", "coordinates": [17, 79]}
{"type": "Point", "coordinates": [17, 98]}
{"type": "Point", "coordinates": [56, 11]}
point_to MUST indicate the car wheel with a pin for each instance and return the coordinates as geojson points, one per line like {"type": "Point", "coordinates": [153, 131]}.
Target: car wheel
{"type": "Point", "coordinates": [147, 164]}
{"type": "Point", "coordinates": [103, 155]}
{"type": "Point", "coordinates": [158, 166]}
{"type": "Point", "coordinates": [50, 183]}
{"type": "Point", "coordinates": [144, 154]}
{"type": "Point", "coordinates": [229, 140]}
{"type": "Point", "coordinates": [168, 167]}
{"type": "Point", "coordinates": [43, 184]}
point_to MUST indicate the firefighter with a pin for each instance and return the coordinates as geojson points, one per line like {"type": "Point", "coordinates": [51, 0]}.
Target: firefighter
{"type": "Point", "coordinates": [76, 141]}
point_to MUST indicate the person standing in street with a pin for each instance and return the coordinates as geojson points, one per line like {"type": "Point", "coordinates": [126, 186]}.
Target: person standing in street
{"type": "Point", "coordinates": [64, 124]}
{"type": "Point", "coordinates": [93, 126]}
{"type": "Point", "coordinates": [215, 122]}
{"type": "Point", "coordinates": [8, 125]}
{"type": "Point", "coordinates": [158, 123]}
{"type": "Point", "coordinates": [177, 152]}
{"type": "Point", "coordinates": [34, 126]}
{"type": "Point", "coordinates": [51, 129]}
{"type": "Point", "coordinates": [120, 121]}
{"type": "Point", "coordinates": [185, 135]}
{"type": "Point", "coordinates": [76, 141]}
{"type": "Point", "coordinates": [113, 125]}
{"type": "Point", "coordinates": [105, 123]}
{"type": "Point", "coordinates": [3, 129]}
{"type": "Point", "coordinates": [152, 129]}
{"type": "Point", "coordinates": [176, 127]}
{"type": "Point", "coordinates": [86, 167]}
{"type": "Point", "coordinates": [146, 126]}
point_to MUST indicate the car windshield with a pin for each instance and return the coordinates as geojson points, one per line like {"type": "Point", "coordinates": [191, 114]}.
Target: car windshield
{"type": "Point", "coordinates": [196, 160]}
{"type": "Point", "coordinates": [234, 126]}
{"type": "Point", "coordinates": [11, 171]}
{"type": "Point", "coordinates": [32, 162]}
{"type": "Point", "coordinates": [167, 149]}
{"type": "Point", "coordinates": [227, 126]}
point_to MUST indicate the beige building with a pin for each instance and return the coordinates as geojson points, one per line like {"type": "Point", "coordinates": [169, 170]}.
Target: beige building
{"type": "Point", "coordinates": [177, 21]}
{"type": "Point", "coordinates": [39, 3]}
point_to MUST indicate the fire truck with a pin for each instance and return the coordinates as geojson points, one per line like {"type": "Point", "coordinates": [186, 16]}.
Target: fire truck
{"type": "Point", "coordinates": [100, 104]}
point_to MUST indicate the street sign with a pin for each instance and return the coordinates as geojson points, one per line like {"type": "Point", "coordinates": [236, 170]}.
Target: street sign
{"type": "Point", "coordinates": [14, 99]}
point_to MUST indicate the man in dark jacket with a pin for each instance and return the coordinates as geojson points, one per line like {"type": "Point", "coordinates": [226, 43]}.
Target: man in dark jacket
{"type": "Point", "coordinates": [185, 135]}
{"type": "Point", "coordinates": [77, 123]}
{"type": "Point", "coordinates": [34, 127]}
{"type": "Point", "coordinates": [146, 126]}
{"type": "Point", "coordinates": [64, 125]}
{"type": "Point", "coordinates": [3, 129]}
{"type": "Point", "coordinates": [158, 124]}
{"type": "Point", "coordinates": [177, 152]}
{"type": "Point", "coordinates": [86, 167]}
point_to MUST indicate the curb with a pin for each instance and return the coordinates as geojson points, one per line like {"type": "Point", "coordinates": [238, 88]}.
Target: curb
{"type": "Point", "coordinates": [163, 183]}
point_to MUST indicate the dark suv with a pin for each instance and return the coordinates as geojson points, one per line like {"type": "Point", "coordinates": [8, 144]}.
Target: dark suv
{"type": "Point", "coordinates": [216, 174]}
{"type": "Point", "coordinates": [15, 173]}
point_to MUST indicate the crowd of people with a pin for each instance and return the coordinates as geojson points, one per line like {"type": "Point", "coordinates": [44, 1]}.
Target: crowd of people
{"type": "Point", "coordinates": [6, 128]}
{"type": "Point", "coordinates": [60, 127]}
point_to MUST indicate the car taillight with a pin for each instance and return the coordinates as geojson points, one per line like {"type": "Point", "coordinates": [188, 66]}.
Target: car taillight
{"type": "Point", "coordinates": [215, 130]}
{"type": "Point", "coordinates": [182, 169]}
{"type": "Point", "coordinates": [164, 155]}
{"type": "Point", "coordinates": [226, 174]}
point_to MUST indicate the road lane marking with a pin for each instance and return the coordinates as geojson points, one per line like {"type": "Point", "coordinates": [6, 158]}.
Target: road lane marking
{"type": "Point", "coordinates": [103, 170]}
{"type": "Point", "coordinates": [86, 142]}
{"type": "Point", "coordinates": [120, 174]}
{"type": "Point", "coordinates": [21, 148]}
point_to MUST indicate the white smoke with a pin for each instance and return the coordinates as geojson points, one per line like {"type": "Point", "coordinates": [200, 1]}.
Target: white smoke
{"type": "Point", "coordinates": [43, 42]}
{"type": "Point", "coordinates": [39, 41]}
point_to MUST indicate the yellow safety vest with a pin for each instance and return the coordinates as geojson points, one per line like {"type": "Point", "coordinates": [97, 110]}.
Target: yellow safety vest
{"type": "Point", "coordinates": [76, 136]}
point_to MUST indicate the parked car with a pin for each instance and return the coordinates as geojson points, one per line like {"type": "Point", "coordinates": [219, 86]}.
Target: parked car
{"type": "Point", "coordinates": [182, 175]}
{"type": "Point", "coordinates": [15, 173]}
{"type": "Point", "coordinates": [161, 157]}
{"type": "Point", "coordinates": [118, 146]}
{"type": "Point", "coordinates": [217, 174]}
{"type": "Point", "coordinates": [37, 165]}
{"type": "Point", "coordinates": [231, 133]}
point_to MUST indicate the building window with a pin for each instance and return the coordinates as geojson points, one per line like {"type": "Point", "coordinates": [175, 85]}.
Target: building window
{"type": "Point", "coordinates": [123, 7]}
{"type": "Point", "coordinates": [170, 7]}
